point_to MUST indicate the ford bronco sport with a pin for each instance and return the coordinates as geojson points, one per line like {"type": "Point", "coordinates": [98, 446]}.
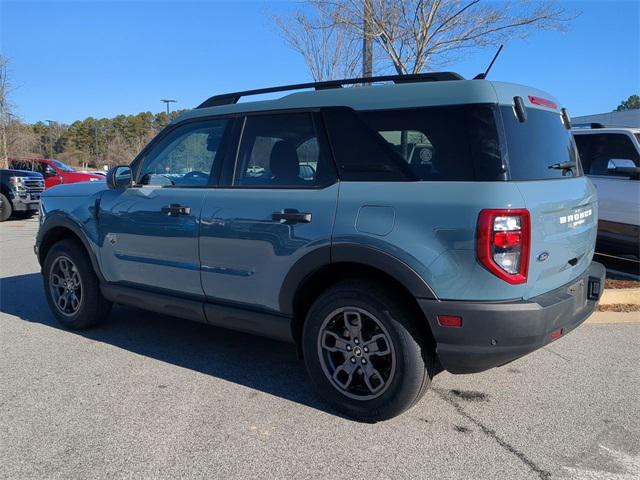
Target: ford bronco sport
{"type": "Point", "coordinates": [389, 231]}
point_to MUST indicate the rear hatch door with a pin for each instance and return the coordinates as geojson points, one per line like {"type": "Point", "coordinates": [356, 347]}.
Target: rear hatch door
{"type": "Point", "coordinates": [561, 200]}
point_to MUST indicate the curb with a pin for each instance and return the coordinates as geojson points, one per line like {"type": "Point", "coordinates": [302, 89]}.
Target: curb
{"type": "Point", "coordinates": [620, 295]}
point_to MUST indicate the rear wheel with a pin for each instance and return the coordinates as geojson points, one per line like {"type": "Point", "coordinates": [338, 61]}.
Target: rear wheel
{"type": "Point", "coordinates": [364, 353]}
{"type": "Point", "coordinates": [72, 288]}
{"type": "Point", "coordinates": [5, 208]}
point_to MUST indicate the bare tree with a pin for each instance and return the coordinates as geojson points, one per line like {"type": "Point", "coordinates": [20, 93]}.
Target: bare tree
{"type": "Point", "coordinates": [326, 43]}
{"type": "Point", "coordinates": [120, 150]}
{"type": "Point", "coordinates": [22, 141]}
{"type": "Point", "coordinates": [5, 112]}
{"type": "Point", "coordinates": [410, 36]}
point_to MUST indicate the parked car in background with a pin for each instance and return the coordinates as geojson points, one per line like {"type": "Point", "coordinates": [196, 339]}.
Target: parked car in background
{"type": "Point", "coordinates": [95, 172]}
{"type": "Point", "coordinates": [54, 171]}
{"type": "Point", "coordinates": [390, 232]}
{"type": "Point", "coordinates": [19, 193]}
{"type": "Point", "coordinates": [611, 159]}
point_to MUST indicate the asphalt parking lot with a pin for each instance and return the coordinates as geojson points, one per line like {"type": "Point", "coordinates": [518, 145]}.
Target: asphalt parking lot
{"type": "Point", "coordinates": [149, 396]}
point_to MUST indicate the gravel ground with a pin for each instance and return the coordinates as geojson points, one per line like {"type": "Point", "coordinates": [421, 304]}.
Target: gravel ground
{"type": "Point", "coordinates": [149, 396]}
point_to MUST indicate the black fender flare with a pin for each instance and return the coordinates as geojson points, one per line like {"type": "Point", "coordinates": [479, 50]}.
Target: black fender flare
{"type": "Point", "coordinates": [352, 253]}
{"type": "Point", "coordinates": [61, 220]}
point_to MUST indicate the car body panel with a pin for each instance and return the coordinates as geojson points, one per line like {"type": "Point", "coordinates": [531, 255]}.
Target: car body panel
{"type": "Point", "coordinates": [143, 246]}
{"type": "Point", "coordinates": [441, 246]}
{"type": "Point", "coordinates": [245, 254]}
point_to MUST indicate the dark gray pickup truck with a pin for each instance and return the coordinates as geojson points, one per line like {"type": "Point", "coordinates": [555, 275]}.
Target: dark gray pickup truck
{"type": "Point", "coordinates": [20, 192]}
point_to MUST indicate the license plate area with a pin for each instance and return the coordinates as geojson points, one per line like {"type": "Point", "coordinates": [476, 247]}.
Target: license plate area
{"type": "Point", "coordinates": [578, 292]}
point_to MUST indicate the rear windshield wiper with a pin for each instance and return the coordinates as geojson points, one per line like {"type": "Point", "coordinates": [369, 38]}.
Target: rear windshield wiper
{"type": "Point", "coordinates": [563, 165]}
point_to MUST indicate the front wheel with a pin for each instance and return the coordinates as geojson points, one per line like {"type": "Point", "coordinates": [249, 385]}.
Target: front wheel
{"type": "Point", "coordinates": [5, 208]}
{"type": "Point", "coordinates": [72, 288]}
{"type": "Point", "coordinates": [364, 352]}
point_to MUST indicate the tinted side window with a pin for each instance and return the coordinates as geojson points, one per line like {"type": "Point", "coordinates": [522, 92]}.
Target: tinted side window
{"type": "Point", "coordinates": [283, 150]}
{"type": "Point", "coordinates": [21, 165]}
{"type": "Point", "coordinates": [596, 150]}
{"type": "Point", "coordinates": [361, 153]}
{"type": "Point", "coordinates": [187, 156]}
{"type": "Point", "coordinates": [454, 143]}
{"type": "Point", "coordinates": [536, 144]}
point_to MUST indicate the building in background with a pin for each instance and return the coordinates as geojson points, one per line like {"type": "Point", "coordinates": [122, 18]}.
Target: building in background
{"type": "Point", "coordinates": [625, 118]}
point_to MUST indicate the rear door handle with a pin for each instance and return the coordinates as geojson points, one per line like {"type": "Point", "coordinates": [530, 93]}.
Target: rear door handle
{"type": "Point", "coordinates": [175, 209]}
{"type": "Point", "coordinates": [290, 216]}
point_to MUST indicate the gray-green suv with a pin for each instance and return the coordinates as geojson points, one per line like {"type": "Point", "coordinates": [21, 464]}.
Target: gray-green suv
{"type": "Point", "coordinates": [389, 231]}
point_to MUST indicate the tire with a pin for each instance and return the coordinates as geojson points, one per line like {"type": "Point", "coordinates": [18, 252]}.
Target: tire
{"type": "Point", "coordinates": [398, 378]}
{"type": "Point", "coordinates": [90, 307]}
{"type": "Point", "coordinates": [6, 209]}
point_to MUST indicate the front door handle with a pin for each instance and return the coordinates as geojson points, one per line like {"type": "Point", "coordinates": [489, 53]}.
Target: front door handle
{"type": "Point", "coordinates": [290, 216]}
{"type": "Point", "coordinates": [175, 209]}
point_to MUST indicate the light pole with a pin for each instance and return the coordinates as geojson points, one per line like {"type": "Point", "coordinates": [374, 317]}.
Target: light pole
{"type": "Point", "coordinates": [168, 101]}
{"type": "Point", "coordinates": [49, 149]}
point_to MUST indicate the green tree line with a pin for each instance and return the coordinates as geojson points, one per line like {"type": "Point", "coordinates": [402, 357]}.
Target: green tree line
{"type": "Point", "coordinates": [91, 142]}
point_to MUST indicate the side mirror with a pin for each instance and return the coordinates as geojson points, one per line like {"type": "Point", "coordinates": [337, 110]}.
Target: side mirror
{"type": "Point", "coordinates": [119, 178]}
{"type": "Point", "coordinates": [623, 166]}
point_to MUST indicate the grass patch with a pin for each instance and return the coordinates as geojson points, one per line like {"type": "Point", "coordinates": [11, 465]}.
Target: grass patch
{"type": "Point", "coordinates": [619, 307]}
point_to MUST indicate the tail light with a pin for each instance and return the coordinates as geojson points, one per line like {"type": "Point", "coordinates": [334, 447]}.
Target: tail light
{"type": "Point", "coordinates": [504, 241]}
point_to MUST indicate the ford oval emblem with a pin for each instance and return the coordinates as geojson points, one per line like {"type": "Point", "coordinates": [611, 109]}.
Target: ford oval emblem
{"type": "Point", "coordinates": [543, 256]}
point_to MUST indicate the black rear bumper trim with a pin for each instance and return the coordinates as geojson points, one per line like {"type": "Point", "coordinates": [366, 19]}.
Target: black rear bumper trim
{"type": "Point", "coordinates": [494, 334]}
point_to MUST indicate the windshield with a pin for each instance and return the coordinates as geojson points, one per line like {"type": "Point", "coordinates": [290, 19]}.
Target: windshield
{"type": "Point", "coordinates": [539, 148]}
{"type": "Point", "coordinates": [61, 166]}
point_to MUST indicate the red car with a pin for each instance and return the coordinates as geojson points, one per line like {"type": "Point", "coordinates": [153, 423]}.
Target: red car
{"type": "Point", "coordinates": [55, 172]}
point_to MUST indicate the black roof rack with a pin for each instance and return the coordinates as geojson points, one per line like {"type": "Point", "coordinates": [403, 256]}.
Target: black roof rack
{"type": "Point", "coordinates": [232, 98]}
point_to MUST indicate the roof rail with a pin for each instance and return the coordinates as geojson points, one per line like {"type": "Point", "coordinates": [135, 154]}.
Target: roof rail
{"type": "Point", "coordinates": [232, 98]}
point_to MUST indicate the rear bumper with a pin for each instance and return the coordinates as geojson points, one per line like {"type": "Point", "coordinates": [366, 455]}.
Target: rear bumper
{"type": "Point", "coordinates": [495, 333]}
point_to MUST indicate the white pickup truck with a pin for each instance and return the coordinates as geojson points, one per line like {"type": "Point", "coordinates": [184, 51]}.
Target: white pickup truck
{"type": "Point", "coordinates": [611, 158]}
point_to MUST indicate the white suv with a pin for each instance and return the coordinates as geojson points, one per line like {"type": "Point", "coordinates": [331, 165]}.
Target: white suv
{"type": "Point", "coordinates": [611, 158]}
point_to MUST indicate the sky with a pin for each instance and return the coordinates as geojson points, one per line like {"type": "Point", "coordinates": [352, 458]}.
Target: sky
{"type": "Point", "coordinates": [71, 60]}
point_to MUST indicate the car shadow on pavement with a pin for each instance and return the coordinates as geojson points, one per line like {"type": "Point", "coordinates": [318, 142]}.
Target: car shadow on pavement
{"type": "Point", "coordinates": [262, 364]}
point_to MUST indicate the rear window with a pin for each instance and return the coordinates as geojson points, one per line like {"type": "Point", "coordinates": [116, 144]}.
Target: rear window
{"type": "Point", "coordinates": [453, 143]}
{"type": "Point", "coordinates": [538, 143]}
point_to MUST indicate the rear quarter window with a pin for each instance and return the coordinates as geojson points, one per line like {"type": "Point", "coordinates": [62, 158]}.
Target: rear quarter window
{"type": "Point", "coordinates": [453, 143]}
